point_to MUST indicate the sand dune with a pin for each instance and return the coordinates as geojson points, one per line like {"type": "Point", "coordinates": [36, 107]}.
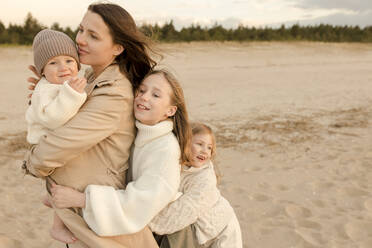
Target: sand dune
{"type": "Point", "coordinates": [293, 124]}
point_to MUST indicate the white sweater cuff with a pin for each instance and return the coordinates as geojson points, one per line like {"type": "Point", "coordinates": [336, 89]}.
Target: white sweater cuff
{"type": "Point", "coordinates": [71, 93]}
{"type": "Point", "coordinates": [98, 214]}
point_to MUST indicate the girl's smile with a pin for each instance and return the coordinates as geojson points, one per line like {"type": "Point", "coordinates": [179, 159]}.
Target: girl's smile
{"type": "Point", "coordinates": [142, 107]}
{"type": "Point", "coordinates": [201, 158]}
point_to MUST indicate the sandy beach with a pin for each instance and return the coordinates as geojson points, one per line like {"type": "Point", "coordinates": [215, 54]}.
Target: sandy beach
{"type": "Point", "coordinates": [294, 140]}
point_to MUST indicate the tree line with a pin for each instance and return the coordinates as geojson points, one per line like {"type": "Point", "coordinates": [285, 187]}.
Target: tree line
{"type": "Point", "coordinates": [24, 34]}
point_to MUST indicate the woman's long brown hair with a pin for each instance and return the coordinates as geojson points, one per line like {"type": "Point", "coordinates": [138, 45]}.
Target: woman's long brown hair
{"type": "Point", "coordinates": [135, 61]}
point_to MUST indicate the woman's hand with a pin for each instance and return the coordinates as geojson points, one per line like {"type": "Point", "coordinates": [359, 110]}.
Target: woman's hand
{"type": "Point", "coordinates": [33, 80]}
{"type": "Point", "coordinates": [65, 197]}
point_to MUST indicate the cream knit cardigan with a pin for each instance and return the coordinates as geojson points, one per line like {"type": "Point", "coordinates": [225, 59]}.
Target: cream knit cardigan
{"type": "Point", "coordinates": [156, 176]}
{"type": "Point", "coordinates": [201, 204]}
{"type": "Point", "coordinates": [52, 105]}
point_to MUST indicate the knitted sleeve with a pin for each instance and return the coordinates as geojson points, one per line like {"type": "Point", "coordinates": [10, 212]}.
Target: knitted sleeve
{"type": "Point", "coordinates": [111, 212]}
{"type": "Point", "coordinates": [199, 194]}
{"type": "Point", "coordinates": [53, 111]}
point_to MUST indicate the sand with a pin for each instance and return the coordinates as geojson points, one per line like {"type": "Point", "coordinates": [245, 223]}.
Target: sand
{"type": "Point", "coordinates": [293, 124]}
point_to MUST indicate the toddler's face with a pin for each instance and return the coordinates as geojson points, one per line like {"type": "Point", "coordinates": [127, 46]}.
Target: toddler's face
{"type": "Point", "coordinates": [153, 100]}
{"type": "Point", "coordinates": [60, 68]}
{"type": "Point", "coordinates": [201, 149]}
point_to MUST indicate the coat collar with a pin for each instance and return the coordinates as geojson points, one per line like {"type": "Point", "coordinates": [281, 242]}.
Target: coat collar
{"type": "Point", "coordinates": [147, 133]}
{"type": "Point", "coordinates": [108, 76]}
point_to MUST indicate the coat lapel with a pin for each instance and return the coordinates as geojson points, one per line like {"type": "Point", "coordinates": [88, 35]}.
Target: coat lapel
{"type": "Point", "coordinates": [108, 76]}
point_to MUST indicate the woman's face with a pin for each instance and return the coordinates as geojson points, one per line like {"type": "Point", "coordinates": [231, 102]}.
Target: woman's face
{"type": "Point", "coordinates": [96, 47]}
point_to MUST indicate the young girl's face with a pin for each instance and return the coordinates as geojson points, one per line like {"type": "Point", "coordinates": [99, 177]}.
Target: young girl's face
{"type": "Point", "coordinates": [60, 68]}
{"type": "Point", "coordinates": [152, 103]}
{"type": "Point", "coordinates": [201, 149]}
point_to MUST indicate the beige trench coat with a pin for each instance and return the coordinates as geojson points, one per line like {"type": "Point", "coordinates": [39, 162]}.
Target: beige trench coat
{"type": "Point", "coordinates": [92, 148]}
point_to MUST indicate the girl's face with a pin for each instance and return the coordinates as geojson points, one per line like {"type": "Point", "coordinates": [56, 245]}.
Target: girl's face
{"type": "Point", "coordinates": [96, 47]}
{"type": "Point", "coordinates": [201, 149]}
{"type": "Point", "coordinates": [60, 68]}
{"type": "Point", "coordinates": [152, 103]}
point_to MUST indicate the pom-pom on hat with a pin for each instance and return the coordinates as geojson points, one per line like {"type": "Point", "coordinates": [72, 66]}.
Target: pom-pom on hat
{"type": "Point", "coordinates": [50, 43]}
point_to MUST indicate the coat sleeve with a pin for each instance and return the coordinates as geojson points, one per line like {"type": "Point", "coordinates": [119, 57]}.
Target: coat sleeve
{"type": "Point", "coordinates": [53, 111]}
{"type": "Point", "coordinates": [97, 119]}
{"type": "Point", "coordinates": [111, 212]}
{"type": "Point", "coordinates": [199, 195]}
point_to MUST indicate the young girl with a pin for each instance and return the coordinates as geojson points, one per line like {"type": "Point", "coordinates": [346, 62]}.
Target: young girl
{"type": "Point", "coordinates": [57, 97]}
{"type": "Point", "coordinates": [161, 146]}
{"type": "Point", "coordinates": [214, 221]}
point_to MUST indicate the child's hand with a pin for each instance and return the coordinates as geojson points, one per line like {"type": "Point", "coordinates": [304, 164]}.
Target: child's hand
{"type": "Point", "coordinates": [65, 197]}
{"type": "Point", "coordinates": [33, 80]}
{"type": "Point", "coordinates": [78, 84]}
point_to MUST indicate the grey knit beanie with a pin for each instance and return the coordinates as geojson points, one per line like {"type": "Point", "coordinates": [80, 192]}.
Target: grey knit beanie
{"type": "Point", "coordinates": [50, 43]}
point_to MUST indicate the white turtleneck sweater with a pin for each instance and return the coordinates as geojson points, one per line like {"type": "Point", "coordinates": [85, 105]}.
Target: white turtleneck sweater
{"type": "Point", "coordinates": [156, 176]}
{"type": "Point", "coordinates": [201, 204]}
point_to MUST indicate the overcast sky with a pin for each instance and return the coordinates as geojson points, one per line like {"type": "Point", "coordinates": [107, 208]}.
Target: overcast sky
{"type": "Point", "coordinates": [229, 13]}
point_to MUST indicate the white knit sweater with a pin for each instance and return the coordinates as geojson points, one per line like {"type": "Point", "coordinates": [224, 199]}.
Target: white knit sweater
{"type": "Point", "coordinates": [156, 176]}
{"type": "Point", "coordinates": [52, 105]}
{"type": "Point", "coordinates": [201, 204]}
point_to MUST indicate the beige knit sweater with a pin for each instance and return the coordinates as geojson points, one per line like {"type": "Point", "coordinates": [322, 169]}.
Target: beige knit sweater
{"type": "Point", "coordinates": [201, 204]}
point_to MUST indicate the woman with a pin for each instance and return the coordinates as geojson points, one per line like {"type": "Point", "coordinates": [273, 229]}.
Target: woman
{"type": "Point", "coordinates": [99, 136]}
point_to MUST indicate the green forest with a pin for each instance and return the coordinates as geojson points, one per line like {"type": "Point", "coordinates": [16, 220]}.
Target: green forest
{"type": "Point", "coordinates": [23, 34]}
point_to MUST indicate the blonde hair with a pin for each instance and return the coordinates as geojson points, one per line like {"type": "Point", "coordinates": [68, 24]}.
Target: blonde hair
{"type": "Point", "coordinates": [200, 128]}
{"type": "Point", "coordinates": [181, 126]}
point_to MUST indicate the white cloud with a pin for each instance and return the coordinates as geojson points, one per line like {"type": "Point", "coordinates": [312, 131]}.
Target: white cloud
{"type": "Point", "coordinates": [339, 19]}
{"type": "Point", "coordinates": [356, 5]}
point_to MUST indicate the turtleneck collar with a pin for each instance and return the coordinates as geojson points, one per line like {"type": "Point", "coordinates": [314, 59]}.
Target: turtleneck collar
{"type": "Point", "coordinates": [192, 169]}
{"type": "Point", "coordinates": [148, 133]}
